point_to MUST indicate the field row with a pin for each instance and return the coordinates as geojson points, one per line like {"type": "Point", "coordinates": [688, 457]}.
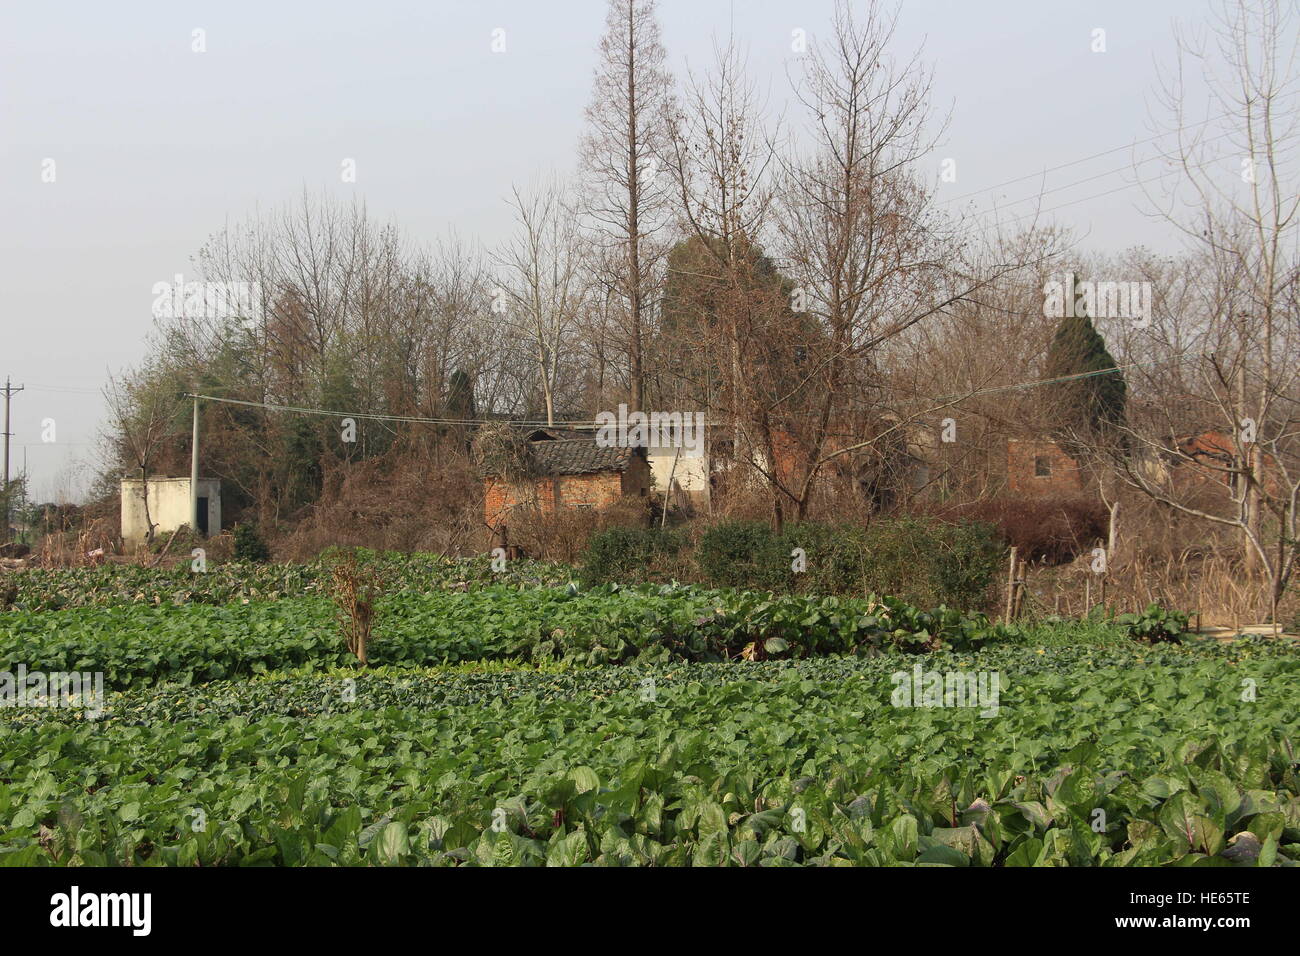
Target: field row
{"type": "Point", "coordinates": [112, 585]}
{"type": "Point", "coordinates": [142, 644]}
{"type": "Point", "coordinates": [1091, 756]}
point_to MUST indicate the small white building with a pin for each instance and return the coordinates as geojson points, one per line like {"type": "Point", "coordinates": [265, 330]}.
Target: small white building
{"type": "Point", "coordinates": [689, 475]}
{"type": "Point", "coordinates": [169, 506]}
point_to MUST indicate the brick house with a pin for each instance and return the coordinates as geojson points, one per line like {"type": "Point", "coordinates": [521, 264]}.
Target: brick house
{"type": "Point", "coordinates": [573, 473]}
{"type": "Point", "coordinates": [1041, 467]}
{"type": "Point", "coordinates": [1207, 461]}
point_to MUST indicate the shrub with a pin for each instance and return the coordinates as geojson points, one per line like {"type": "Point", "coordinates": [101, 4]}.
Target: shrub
{"type": "Point", "coordinates": [836, 557]}
{"type": "Point", "coordinates": [965, 562]}
{"type": "Point", "coordinates": [743, 554]}
{"type": "Point", "coordinates": [1051, 530]}
{"type": "Point", "coordinates": [924, 561]}
{"type": "Point", "coordinates": [564, 534]}
{"type": "Point", "coordinates": [180, 541]}
{"type": "Point", "coordinates": [622, 554]}
{"type": "Point", "coordinates": [1154, 625]}
{"type": "Point", "coordinates": [249, 545]}
{"type": "Point", "coordinates": [921, 560]}
{"type": "Point", "coordinates": [356, 586]}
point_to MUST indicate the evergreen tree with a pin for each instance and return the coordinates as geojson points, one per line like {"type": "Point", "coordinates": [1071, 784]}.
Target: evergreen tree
{"type": "Point", "coordinates": [460, 406]}
{"type": "Point", "coordinates": [1089, 407]}
{"type": "Point", "coordinates": [460, 396]}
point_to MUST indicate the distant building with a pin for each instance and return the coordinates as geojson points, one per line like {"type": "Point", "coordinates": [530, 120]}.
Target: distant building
{"type": "Point", "coordinates": [169, 506]}
{"type": "Point", "coordinates": [573, 473]}
{"type": "Point", "coordinates": [1041, 467]}
{"type": "Point", "coordinates": [689, 476]}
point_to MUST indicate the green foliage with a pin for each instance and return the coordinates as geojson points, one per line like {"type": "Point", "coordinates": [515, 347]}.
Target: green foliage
{"type": "Point", "coordinates": [1154, 625]}
{"type": "Point", "coordinates": [238, 735]}
{"type": "Point", "coordinates": [923, 561]}
{"type": "Point", "coordinates": [135, 645]}
{"type": "Point", "coordinates": [249, 545]}
{"type": "Point", "coordinates": [793, 763]}
{"type": "Point", "coordinates": [1090, 405]}
{"type": "Point", "coordinates": [742, 554]}
{"type": "Point", "coordinates": [48, 589]}
{"type": "Point", "coordinates": [460, 396]}
{"type": "Point", "coordinates": [622, 554]}
{"type": "Point", "coordinates": [703, 295]}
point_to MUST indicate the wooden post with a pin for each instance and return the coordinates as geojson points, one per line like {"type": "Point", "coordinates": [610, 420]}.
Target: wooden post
{"type": "Point", "coordinates": [194, 471]}
{"type": "Point", "coordinates": [1200, 597]}
{"type": "Point", "coordinates": [1087, 595]}
{"type": "Point", "coordinates": [668, 492]}
{"type": "Point", "coordinates": [1011, 585]}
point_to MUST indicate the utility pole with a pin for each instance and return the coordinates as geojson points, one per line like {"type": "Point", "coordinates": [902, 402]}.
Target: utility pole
{"type": "Point", "coordinates": [194, 471]}
{"type": "Point", "coordinates": [9, 392]}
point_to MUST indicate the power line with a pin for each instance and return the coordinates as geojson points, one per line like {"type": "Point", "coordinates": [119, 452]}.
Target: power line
{"type": "Point", "coordinates": [376, 416]}
{"type": "Point", "coordinates": [1085, 159]}
{"type": "Point", "coordinates": [1088, 179]}
{"type": "Point", "coordinates": [65, 388]}
{"type": "Point", "coordinates": [381, 417]}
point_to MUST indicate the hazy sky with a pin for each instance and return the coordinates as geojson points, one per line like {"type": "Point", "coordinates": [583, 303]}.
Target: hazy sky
{"type": "Point", "coordinates": [156, 147]}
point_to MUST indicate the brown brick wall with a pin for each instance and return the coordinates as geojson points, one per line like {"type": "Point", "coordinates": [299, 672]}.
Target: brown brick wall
{"type": "Point", "coordinates": [569, 491]}
{"type": "Point", "coordinates": [1023, 463]}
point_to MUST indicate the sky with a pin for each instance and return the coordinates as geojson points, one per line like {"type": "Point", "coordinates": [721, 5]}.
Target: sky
{"type": "Point", "coordinates": [123, 147]}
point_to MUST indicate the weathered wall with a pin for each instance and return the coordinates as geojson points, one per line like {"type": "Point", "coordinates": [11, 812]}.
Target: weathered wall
{"type": "Point", "coordinates": [566, 491]}
{"type": "Point", "coordinates": [169, 505]}
{"type": "Point", "coordinates": [690, 479]}
{"type": "Point", "coordinates": [1023, 458]}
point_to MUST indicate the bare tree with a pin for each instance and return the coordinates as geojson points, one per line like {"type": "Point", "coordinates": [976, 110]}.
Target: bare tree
{"type": "Point", "coordinates": [627, 134]}
{"type": "Point", "coordinates": [721, 157]}
{"type": "Point", "coordinates": [542, 269]}
{"type": "Point", "coordinates": [142, 416]}
{"type": "Point", "coordinates": [1233, 411]}
{"type": "Point", "coordinates": [874, 258]}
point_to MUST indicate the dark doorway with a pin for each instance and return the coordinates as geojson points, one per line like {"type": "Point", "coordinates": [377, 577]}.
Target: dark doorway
{"type": "Point", "coordinates": [203, 516]}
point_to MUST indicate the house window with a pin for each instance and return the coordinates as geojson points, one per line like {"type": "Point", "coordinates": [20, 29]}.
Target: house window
{"type": "Point", "coordinates": [1042, 467]}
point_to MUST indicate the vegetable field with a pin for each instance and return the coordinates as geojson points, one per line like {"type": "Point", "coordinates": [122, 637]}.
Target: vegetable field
{"type": "Point", "coordinates": [517, 724]}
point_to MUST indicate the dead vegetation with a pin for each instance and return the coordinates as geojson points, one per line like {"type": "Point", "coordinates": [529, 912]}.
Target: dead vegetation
{"type": "Point", "coordinates": [355, 586]}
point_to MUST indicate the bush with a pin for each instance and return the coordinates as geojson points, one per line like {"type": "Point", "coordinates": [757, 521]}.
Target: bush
{"type": "Point", "coordinates": [249, 545]}
{"type": "Point", "coordinates": [622, 554]}
{"type": "Point", "coordinates": [178, 541]}
{"type": "Point", "coordinates": [923, 561]}
{"type": "Point", "coordinates": [1052, 530]}
{"type": "Point", "coordinates": [1154, 625]}
{"type": "Point", "coordinates": [743, 554]}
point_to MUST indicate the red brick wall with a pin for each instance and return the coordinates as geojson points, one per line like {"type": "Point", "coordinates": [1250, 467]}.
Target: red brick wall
{"type": "Point", "coordinates": [1022, 463]}
{"type": "Point", "coordinates": [569, 491]}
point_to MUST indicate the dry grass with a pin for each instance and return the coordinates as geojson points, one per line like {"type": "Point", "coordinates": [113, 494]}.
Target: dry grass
{"type": "Point", "coordinates": [1216, 585]}
{"type": "Point", "coordinates": [401, 505]}
{"type": "Point", "coordinates": [356, 588]}
{"type": "Point", "coordinates": [563, 535]}
{"type": "Point", "coordinates": [93, 544]}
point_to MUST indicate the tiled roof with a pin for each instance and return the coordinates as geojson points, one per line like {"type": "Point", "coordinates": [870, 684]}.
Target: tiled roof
{"type": "Point", "coordinates": [578, 456]}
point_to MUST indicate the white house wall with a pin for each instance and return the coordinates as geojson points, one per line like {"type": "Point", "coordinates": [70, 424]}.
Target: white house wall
{"type": "Point", "coordinates": [169, 505]}
{"type": "Point", "coordinates": [690, 476]}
